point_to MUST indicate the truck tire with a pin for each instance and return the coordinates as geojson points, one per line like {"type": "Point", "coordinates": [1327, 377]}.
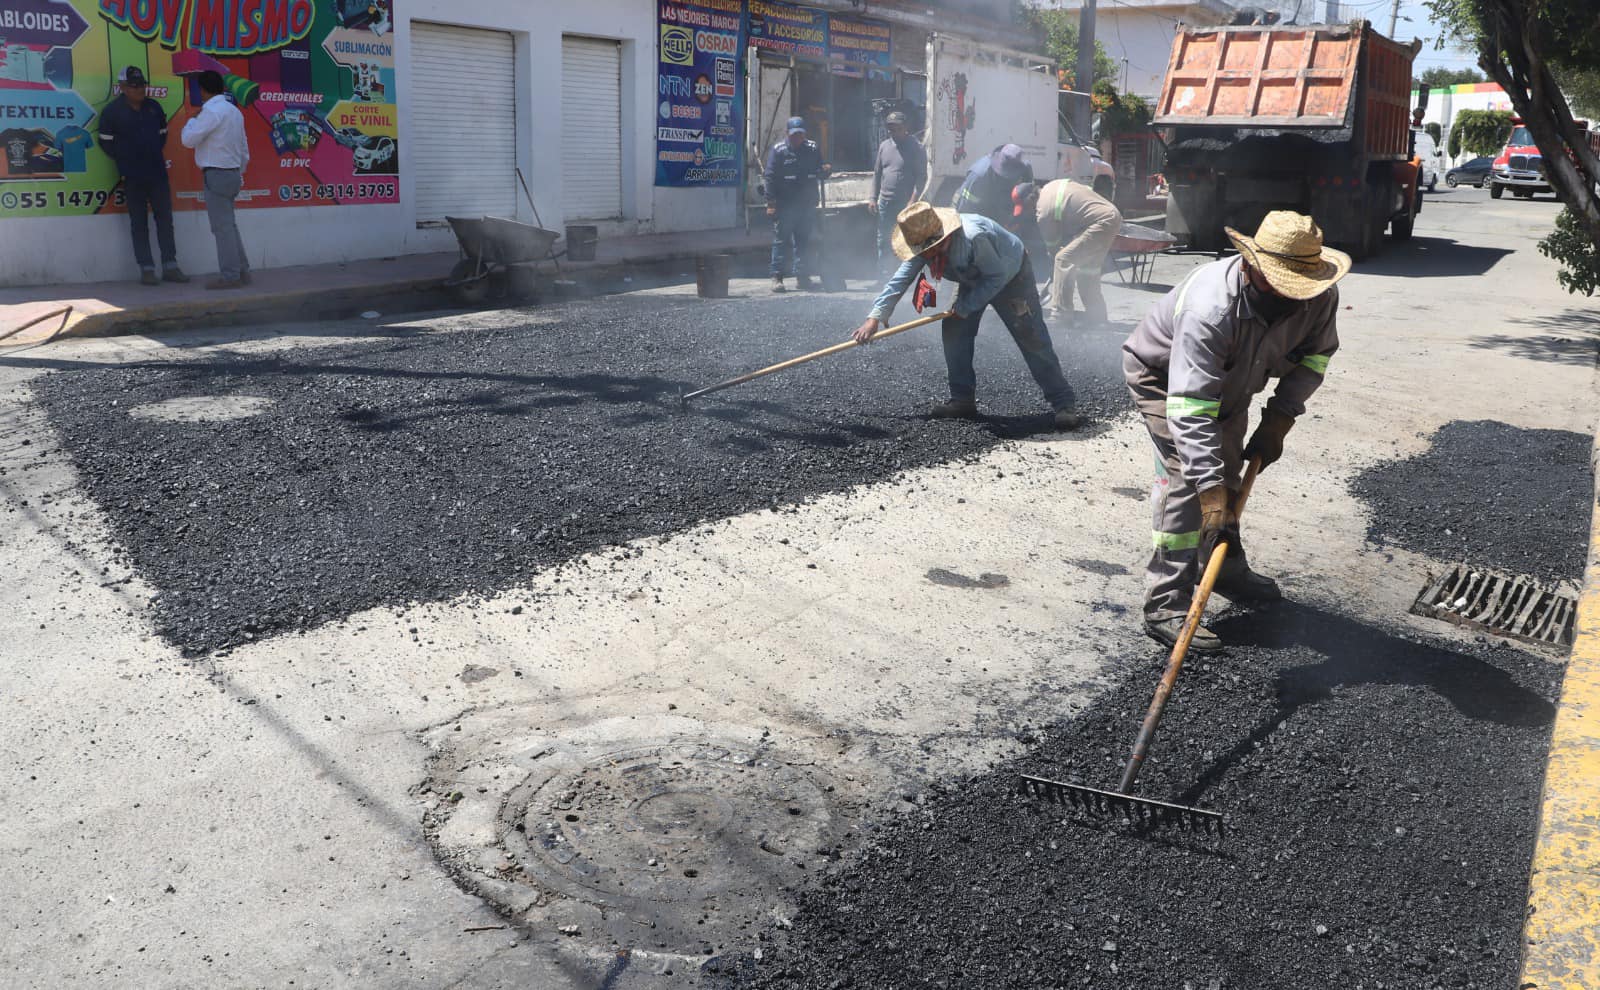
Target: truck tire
{"type": "Point", "coordinates": [1496, 190]}
{"type": "Point", "coordinates": [1400, 228]}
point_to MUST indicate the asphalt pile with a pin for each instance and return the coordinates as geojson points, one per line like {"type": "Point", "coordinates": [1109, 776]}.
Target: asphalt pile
{"type": "Point", "coordinates": [1380, 794]}
{"type": "Point", "coordinates": [419, 467]}
{"type": "Point", "coordinates": [1491, 494]}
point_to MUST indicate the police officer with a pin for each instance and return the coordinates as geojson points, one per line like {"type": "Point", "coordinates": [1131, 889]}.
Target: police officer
{"type": "Point", "coordinates": [793, 178]}
{"type": "Point", "coordinates": [133, 131]}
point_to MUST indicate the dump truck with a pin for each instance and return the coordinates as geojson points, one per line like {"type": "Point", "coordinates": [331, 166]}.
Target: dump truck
{"type": "Point", "coordinates": [1311, 118]}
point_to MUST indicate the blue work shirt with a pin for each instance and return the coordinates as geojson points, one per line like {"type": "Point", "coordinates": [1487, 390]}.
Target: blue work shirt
{"type": "Point", "coordinates": [984, 257]}
{"type": "Point", "coordinates": [793, 175]}
{"type": "Point", "coordinates": [987, 192]}
{"type": "Point", "coordinates": [135, 139]}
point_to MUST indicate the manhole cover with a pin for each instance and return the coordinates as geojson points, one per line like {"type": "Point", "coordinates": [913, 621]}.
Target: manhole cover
{"type": "Point", "coordinates": [1507, 605]}
{"type": "Point", "coordinates": [202, 408]}
{"type": "Point", "coordinates": [681, 844]}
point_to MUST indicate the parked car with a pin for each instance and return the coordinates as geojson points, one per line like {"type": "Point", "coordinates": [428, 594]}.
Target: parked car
{"type": "Point", "coordinates": [1473, 173]}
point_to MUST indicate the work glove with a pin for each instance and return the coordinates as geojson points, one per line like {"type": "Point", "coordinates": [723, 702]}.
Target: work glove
{"type": "Point", "coordinates": [924, 294]}
{"type": "Point", "coordinates": [1217, 520]}
{"type": "Point", "coordinates": [1267, 441]}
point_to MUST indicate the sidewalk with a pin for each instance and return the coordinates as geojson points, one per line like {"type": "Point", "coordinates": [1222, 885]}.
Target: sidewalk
{"type": "Point", "coordinates": [313, 291]}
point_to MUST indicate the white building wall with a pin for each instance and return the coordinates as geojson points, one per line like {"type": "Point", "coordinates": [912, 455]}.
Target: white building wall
{"type": "Point", "coordinates": [49, 250]}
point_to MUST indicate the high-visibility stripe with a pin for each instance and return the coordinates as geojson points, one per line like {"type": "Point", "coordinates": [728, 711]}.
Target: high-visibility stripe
{"type": "Point", "coordinates": [1175, 541]}
{"type": "Point", "coordinates": [1316, 362]}
{"type": "Point", "coordinates": [1183, 405]}
{"type": "Point", "coordinates": [1061, 200]}
{"type": "Point", "coordinates": [1183, 291]}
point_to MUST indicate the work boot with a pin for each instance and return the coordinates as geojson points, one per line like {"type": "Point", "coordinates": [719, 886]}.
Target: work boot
{"type": "Point", "coordinates": [174, 274]}
{"type": "Point", "coordinates": [1068, 419]}
{"type": "Point", "coordinates": [1166, 631]}
{"type": "Point", "coordinates": [1240, 584]}
{"type": "Point", "coordinates": [956, 409]}
{"type": "Point", "coordinates": [148, 277]}
{"type": "Point", "coordinates": [777, 284]}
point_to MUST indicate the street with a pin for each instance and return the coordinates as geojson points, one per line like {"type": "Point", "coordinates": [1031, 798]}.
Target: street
{"type": "Point", "coordinates": [444, 650]}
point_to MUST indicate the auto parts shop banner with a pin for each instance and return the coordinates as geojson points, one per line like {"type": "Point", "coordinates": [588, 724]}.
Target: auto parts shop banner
{"type": "Point", "coordinates": [700, 85]}
{"type": "Point", "coordinates": [314, 79]}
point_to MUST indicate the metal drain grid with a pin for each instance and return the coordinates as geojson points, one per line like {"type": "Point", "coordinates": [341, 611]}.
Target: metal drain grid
{"type": "Point", "coordinates": [1507, 605]}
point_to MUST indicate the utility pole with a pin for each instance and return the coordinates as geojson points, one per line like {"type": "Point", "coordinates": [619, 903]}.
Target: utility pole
{"type": "Point", "coordinates": [1083, 77]}
{"type": "Point", "coordinates": [1394, 17]}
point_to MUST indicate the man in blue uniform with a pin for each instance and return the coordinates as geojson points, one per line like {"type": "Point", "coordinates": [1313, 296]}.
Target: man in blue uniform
{"type": "Point", "coordinates": [133, 131]}
{"type": "Point", "coordinates": [793, 181]}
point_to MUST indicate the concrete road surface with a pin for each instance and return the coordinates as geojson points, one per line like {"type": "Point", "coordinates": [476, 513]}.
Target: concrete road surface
{"type": "Point", "coordinates": [602, 773]}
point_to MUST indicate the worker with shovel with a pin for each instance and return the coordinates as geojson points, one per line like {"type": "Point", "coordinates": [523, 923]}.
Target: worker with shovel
{"type": "Point", "coordinates": [990, 268]}
{"type": "Point", "coordinates": [1193, 364]}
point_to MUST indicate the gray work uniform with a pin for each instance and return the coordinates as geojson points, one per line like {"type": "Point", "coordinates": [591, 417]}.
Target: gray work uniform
{"type": "Point", "coordinates": [1079, 225]}
{"type": "Point", "coordinates": [1193, 364]}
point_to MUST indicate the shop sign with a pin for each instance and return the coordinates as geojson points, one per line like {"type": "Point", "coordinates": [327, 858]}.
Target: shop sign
{"type": "Point", "coordinates": [700, 88]}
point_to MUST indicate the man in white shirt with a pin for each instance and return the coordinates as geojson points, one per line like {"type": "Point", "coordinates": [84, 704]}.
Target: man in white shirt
{"type": "Point", "coordinates": [216, 134]}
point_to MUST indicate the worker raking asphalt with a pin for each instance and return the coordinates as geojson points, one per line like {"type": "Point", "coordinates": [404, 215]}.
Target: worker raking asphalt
{"type": "Point", "coordinates": [423, 466]}
{"type": "Point", "coordinates": [1381, 789]}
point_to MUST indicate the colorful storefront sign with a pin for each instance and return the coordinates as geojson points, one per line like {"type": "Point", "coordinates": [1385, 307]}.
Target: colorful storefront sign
{"type": "Point", "coordinates": [313, 78]}
{"type": "Point", "coordinates": [700, 88]}
{"type": "Point", "coordinates": [850, 47]}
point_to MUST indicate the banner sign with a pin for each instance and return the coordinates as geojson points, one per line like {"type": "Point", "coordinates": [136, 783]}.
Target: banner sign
{"type": "Point", "coordinates": [850, 47]}
{"type": "Point", "coordinates": [313, 78]}
{"type": "Point", "coordinates": [700, 83]}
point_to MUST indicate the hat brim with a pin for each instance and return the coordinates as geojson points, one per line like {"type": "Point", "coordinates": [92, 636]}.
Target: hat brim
{"type": "Point", "coordinates": [949, 223]}
{"type": "Point", "coordinates": [1293, 280]}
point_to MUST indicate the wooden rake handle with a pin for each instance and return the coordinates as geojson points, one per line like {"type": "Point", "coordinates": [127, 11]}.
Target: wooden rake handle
{"type": "Point", "coordinates": [1180, 649]}
{"type": "Point", "coordinates": [814, 355]}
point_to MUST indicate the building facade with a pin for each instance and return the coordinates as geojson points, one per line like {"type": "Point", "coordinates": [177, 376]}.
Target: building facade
{"type": "Point", "coordinates": [370, 121]}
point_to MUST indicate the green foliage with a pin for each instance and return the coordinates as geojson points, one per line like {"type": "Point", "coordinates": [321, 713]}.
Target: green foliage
{"type": "Point", "coordinates": [1583, 89]}
{"type": "Point", "coordinates": [1440, 77]}
{"type": "Point", "coordinates": [1434, 131]}
{"type": "Point", "coordinates": [1481, 132]}
{"type": "Point", "coordinates": [1057, 30]}
{"type": "Point", "coordinates": [1120, 113]}
{"type": "Point", "coordinates": [1571, 245]}
{"type": "Point", "coordinates": [1455, 143]}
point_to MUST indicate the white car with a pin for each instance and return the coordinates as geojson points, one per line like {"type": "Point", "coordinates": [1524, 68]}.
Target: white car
{"type": "Point", "coordinates": [372, 152]}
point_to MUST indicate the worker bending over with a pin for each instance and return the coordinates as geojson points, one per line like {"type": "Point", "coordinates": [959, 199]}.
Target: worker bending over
{"type": "Point", "coordinates": [1079, 226]}
{"type": "Point", "coordinates": [989, 267]}
{"type": "Point", "coordinates": [1193, 364]}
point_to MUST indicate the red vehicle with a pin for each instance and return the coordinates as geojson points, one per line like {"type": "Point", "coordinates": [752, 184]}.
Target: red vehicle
{"type": "Point", "coordinates": [1520, 167]}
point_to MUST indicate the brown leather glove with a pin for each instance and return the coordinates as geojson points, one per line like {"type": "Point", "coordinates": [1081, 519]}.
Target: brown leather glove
{"type": "Point", "coordinates": [1267, 441]}
{"type": "Point", "coordinates": [1216, 518]}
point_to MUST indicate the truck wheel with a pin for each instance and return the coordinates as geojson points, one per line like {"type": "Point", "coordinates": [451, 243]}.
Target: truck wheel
{"type": "Point", "coordinates": [1496, 190]}
{"type": "Point", "coordinates": [1400, 228]}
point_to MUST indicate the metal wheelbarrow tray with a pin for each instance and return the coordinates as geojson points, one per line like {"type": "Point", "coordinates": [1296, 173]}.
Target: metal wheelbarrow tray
{"type": "Point", "coordinates": [1139, 245]}
{"type": "Point", "coordinates": [495, 244]}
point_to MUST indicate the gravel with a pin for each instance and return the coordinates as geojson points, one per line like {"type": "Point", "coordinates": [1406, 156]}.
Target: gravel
{"type": "Point", "coordinates": [421, 466]}
{"type": "Point", "coordinates": [1491, 494]}
{"type": "Point", "coordinates": [1381, 795]}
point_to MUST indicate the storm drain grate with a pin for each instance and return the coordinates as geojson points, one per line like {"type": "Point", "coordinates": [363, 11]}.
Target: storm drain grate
{"type": "Point", "coordinates": [1504, 604]}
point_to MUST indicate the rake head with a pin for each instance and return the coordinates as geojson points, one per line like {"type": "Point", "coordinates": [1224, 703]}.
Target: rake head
{"type": "Point", "coordinates": [1142, 812]}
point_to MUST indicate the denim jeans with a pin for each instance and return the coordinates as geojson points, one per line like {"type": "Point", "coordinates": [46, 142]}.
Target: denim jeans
{"type": "Point", "coordinates": [888, 209]}
{"type": "Point", "coordinates": [146, 196]}
{"type": "Point", "coordinates": [1018, 305]}
{"type": "Point", "coordinates": [791, 228]}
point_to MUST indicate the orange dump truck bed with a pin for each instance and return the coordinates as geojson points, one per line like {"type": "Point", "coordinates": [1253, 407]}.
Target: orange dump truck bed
{"type": "Point", "coordinates": [1323, 76]}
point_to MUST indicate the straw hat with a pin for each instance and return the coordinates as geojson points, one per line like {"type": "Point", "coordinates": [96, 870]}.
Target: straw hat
{"type": "Point", "coordinates": [1287, 250]}
{"type": "Point", "coordinates": [922, 226]}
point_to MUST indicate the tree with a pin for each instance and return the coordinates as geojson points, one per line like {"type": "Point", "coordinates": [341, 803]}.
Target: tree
{"type": "Point", "coordinates": [1440, 77]}
{"type": "Point", "coordinates": [1057, 30]}
{"type": "Point", "coordinates": [1120, 113]}
{"type": "Point", "coordinates": [1528, 46]}
{"type": "Point", "coordinates": [1480, 132]}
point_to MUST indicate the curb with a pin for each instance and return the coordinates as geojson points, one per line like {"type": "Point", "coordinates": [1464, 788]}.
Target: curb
{"type": "Point", "coordinates": [1561, 937]}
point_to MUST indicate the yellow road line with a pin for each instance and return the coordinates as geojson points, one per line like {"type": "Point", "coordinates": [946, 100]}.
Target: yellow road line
{"type": "Point", "coordinates": [1561, 941]}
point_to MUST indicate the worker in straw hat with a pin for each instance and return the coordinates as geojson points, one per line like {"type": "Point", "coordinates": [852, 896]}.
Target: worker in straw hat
{"type": "Point", "coordinates": [990, 268]}
{"type": "Point", "coordinates": [1193, 364]}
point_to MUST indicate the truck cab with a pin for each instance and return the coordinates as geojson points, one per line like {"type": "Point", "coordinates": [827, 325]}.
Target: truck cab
{"type": "Point", "coordinates": [1519, 166]}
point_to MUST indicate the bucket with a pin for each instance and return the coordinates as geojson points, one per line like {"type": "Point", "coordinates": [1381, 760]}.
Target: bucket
{"type": "Point", "coordinates": [711, 275]}
{"type": "Point", "coordinates": [581, 239]}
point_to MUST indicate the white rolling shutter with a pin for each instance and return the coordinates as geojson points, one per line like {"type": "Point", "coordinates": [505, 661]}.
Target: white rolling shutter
{"type": "Point", "coordinates": [463, 131]}
{"type": "Point", "coordinates": [591, 129]}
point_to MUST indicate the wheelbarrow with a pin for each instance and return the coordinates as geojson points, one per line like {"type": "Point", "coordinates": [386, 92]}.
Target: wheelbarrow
{"type": "Point", "coordinates": [504, 250]}
{"type": "Point", "coordinates": [1138, 246]}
